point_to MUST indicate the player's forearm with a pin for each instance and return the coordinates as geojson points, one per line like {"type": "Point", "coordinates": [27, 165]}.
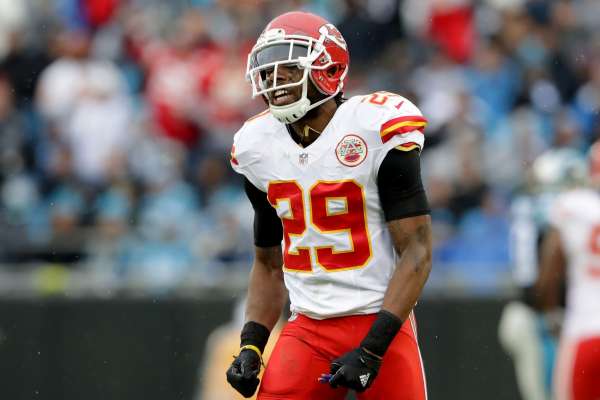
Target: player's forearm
{"type": "Point", "coordinates": [548, 294]}
{"type": "Point", "coordinates": [408, 280]}
{"type": "Point", "coordinates": [412, 239]}
{"type": "Point", "coordinates": [552, 272]}
{"type": "Point", "coordinates": [412, 269]}
{"type": "Point", "coordinates": [266, 291]}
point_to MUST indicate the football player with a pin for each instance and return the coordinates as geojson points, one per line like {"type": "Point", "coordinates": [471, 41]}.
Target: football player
{"type": "Point", "coordinates": [571, 253]}
{"type": "Point", "coordinates": [341, 221]}
{"type": "Point", "coordinates": [528, 334]}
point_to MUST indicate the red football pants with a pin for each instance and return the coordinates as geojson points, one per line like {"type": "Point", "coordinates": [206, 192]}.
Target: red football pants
{"type": "Point", "coordinates": [579, 370]}
{"type": "Point", "coordinates": [306, 347]}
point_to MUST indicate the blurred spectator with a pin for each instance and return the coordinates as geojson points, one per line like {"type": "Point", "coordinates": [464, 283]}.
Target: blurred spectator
{"type": "Point", "coordinates": [158, 254]}
{"type": "Point", "coordinates": [85, 14]}
{"type": "Point", "coordinates": [448, 24]}
{"type": "Point", "coordinates": [12, 18]}
{"type": "Point", "coordinates": [493, 80]}
{"type": "Point", "coordinates": [113, 211]}
{"type": "Point", "coordinates": [440, 85]}
{"type": "Point", "coordinates": [477, 263]}
{"type": "Point", "coordinates": [587, 99]}
{"type": "Point", "coordinates": [179, 73]}
{"type": "Point", "coordinates": [15, 146]}
{"type": "Point", "coordinates": [369, 26]}
{"type": "Point", "coordinates": [452, 28]}
{"type": "Point", "coordinates": [22, 65]}
{"type": "Point", "coordinates": [86, 106]}
{"type": "Point", "coordinates": [19, 194]}
{"type": "Point", "coordinates": [227, 219]}
{"type": "Point", "coordinates": [65, 210]}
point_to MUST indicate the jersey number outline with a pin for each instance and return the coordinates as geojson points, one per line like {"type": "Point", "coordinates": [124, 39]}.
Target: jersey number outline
{"type": "Point", "coordinates": [381, 97]}
{"type": "Point", "coordinates": [352, 220]}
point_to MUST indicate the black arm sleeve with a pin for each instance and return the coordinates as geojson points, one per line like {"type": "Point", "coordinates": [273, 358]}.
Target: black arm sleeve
{"type": "Point", "coordinates": [268, 231]}
{"type": "Point", "coordinates": [401, 191]}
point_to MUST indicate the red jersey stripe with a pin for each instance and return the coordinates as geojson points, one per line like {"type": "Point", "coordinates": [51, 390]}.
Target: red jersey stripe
{"type": "Point", "coordinates": [402, 129]}
{"type": "Point", "coordinates": [387, 125]}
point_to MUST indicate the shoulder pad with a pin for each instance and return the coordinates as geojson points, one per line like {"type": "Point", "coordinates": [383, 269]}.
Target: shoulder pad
{"type": "Point", "coordinates": [573, 205]}
{"type": "Point", "coordinates": [247, 141]}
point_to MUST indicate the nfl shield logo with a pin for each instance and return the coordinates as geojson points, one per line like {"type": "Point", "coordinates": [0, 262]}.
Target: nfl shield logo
{"type": "Point", "coordinates": [303, 158]}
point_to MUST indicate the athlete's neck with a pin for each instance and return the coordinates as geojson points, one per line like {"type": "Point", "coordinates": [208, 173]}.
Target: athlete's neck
{"type": "Point", "coordinates": [308, 129]}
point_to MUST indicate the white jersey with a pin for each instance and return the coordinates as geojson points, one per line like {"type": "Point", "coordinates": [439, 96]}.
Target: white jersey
{"type": "Point", "coordinates": [338, 254]}
{"type": "Point", "coordinates": [576, 215]}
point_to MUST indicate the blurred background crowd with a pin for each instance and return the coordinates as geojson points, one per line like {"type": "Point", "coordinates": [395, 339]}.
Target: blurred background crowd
{"type": "Point", "coordinates": [117, 117]}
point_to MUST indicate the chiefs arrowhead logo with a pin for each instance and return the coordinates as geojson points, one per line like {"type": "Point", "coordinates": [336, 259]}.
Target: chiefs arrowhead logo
{"type": "Point", "coordinates": [330, 32]}
{"type": "Point", "coordinates": [351, 150]}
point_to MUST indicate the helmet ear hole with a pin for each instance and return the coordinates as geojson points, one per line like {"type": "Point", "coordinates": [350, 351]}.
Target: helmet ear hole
{"type": "Point", "coordinates": [332, 71]}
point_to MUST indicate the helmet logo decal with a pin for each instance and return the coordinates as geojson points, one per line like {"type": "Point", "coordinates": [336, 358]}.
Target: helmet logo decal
{"type": "Point", "coordinates": [351, 150]}
{"type": "Point", "coordinates": [330, 32]}
{"type": "Point", "coordinates": [272, 34]}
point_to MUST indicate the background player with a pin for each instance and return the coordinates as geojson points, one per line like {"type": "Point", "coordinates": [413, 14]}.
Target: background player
{"type": "Point", "coordinates": [571, 253]}
{"type": "Point", "coordinates": [342, 179]}
{"type": "Point", "coordinates": [526, 333]}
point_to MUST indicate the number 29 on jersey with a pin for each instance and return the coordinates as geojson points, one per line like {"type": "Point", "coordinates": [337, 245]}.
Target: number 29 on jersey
{"type": "Point", "coordinates": [351, 219]}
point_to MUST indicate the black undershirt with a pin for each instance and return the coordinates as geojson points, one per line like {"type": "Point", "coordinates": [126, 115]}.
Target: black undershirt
{"type": "Point", "coordinates": [268, 230]}
{"type": "Point", "coordinates": [399, 184]}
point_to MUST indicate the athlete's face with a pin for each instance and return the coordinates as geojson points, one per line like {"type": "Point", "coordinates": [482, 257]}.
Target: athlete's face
{"type": "Point", "coordinates": [287, 74]}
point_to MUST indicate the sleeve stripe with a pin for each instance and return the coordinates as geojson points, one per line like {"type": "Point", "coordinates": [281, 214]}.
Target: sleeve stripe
{"type": "Point", "coordinates": [407, 146]}
{"type": "Point", "coordinates": [404, 128]}
{"type": "Point", "coordinates": [389, 124]}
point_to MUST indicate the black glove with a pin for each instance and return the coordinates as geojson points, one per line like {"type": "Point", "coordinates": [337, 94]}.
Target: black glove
{"type": "Point", "coordinates": [356, 370]}
{"type": "Point", "coordinates": [243, 372]}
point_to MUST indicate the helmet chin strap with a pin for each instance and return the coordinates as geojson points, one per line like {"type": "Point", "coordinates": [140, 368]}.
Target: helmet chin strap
{"type": "Point", "coordinates": [291, 113]}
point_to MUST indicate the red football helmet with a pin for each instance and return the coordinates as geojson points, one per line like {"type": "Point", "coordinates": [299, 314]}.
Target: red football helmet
{"type": "Point", "coordinates": [308, 42]}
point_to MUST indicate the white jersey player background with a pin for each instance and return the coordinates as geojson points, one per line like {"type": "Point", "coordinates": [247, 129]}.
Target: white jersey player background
{"type": "Point", "coordinates": [526, 333]}
{"type": "Point", "coordinates": [576, 216]}
{"type": "Point", "coordinates": [335, 237]}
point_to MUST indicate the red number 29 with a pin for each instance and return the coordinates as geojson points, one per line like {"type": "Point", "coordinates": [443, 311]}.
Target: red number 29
{"type": "Point", "coordinates": [351, 220]}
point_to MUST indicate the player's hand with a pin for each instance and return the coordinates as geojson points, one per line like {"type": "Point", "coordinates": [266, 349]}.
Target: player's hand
{"type": "Point", "coordinates": [243, 372]}
{"type": "Point", "coordinates": [356, 370]}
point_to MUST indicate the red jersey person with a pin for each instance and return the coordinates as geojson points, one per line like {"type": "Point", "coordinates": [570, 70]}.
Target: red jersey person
{"type": "Point", "coordinates": [341, 224]}
{"type": "Point", "coordinates": [571, 254]}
